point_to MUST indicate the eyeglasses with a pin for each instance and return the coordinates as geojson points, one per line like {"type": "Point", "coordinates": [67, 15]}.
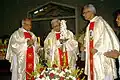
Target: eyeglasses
{"type": "Point", "coordinates": [27, 24]}
{"type": "Point", "coordinates": [86, 12]}
{"type": "Point", "coordinates": [56, 25]}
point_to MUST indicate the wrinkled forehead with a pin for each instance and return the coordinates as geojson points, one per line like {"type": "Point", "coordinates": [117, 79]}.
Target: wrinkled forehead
{"type": "Point", "coordinates": [86, 9]}
{"type": "Point", "coordinates": [27, 22]}
{"type": "Point", "coordinates": [90, 8]}
{"type": "Point", "coordinates": [55, 22]}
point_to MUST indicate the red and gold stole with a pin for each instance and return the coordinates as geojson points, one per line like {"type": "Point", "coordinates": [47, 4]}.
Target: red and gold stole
{"type": "Point", "coordinates": [61, 54]}
{"type": "Point", "coordinates": [91, 41]}
{"type": "Point", "coordinates": [29, 58]}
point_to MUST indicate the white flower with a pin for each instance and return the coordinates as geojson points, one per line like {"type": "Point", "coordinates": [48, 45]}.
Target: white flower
{"type": "Point", "coordinates": [37, 79]}
{"type": "Point", "coordinates": [52, 71]}
{"type": "Point", "coordinates": [62, 74]}
{"type": "Point", "coordinates": [67, 70]}
{"type": "Point", "coordinates": [57, 73]}
{"type": "Point", "coordinates": [38, 75]}
{"type": "Point", "coordinates": [73, 78]}
{"type": "Point", "coordinates": [67, 77]}
{"type": "Point", "coordinates": [63, 29]}
{"type": "Point", "coordinates": [42, 72]}
{"type": "Point", "coordinates": [56, 68]}
{"type": "Point", "coordinates": [40, 79]}
{"type": "Point", "coordinates": [47, 78]}
{"type": "Point", "coordinates": [56, 79]}
{"type": "Point", "coordinates": [49, 69]}
{"type": "Point", "coordinates": [43, 79]}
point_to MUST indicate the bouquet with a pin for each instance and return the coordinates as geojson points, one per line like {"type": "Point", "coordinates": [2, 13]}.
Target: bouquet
{"type": "Point", "coordinates": [55, 73]}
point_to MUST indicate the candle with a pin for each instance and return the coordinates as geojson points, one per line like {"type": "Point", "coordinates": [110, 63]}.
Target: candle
{"type": "Point", "coordinates": [38, 40]}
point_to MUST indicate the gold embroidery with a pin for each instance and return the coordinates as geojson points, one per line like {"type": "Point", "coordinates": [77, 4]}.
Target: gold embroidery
{"type": "Point", "coordinates": [29, 55]}
{"type": "Point", "coordinates": [29, 65]}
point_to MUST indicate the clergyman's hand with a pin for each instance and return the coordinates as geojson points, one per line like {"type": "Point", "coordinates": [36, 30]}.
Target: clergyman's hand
{"type": "Point", "coordinates": [63, 40]}
{"type": "Point", "coordinates": [30, 42]}
{"type": "Point", "coordinates": [112, 54]}
{"type": "Point", "coordinates": [93, 51]}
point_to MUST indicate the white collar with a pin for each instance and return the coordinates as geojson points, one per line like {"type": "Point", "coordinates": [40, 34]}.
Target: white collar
{"type": "Point", "coordinates": [54, 31]}
{"type": "Point", "coordinates": [24, 29]}
{"type": "Point", "coordinates": [57, 32]}
{"type": "Point", "coordinates": [93, 19]}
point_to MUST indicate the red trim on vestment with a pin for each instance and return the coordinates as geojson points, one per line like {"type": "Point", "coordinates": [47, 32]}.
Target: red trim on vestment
{"type": "Point", "coordinates": [91, 47]}
{"type": "Point", "coordinates": [57, 36]}
{"type": "Point", "coordinates": [61, 53]}
{"type": "Point", "coordinates": [29, 58]}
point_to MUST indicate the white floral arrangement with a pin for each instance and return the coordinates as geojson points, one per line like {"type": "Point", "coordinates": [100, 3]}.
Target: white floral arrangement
{"type": "Point", "coordinates": [55, 73]}
{"type": "Point", "coordinates": [63, 29]}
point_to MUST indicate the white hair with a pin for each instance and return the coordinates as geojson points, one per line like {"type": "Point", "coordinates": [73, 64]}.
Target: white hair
{"type": "Point", "coordinates": [55, 20]}
{"type": "Point", "coordinates": [91, 7]}
{"type": "Point", "coordinates": [23, 22]}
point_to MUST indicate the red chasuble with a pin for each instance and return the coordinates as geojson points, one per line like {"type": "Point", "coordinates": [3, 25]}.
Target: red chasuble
{"type": "Point", "coordinates": [91, 47]}
{"type": "Point", "coordinates": [62, 54]}
{"type": "Point", "coordinates": [29, 58]}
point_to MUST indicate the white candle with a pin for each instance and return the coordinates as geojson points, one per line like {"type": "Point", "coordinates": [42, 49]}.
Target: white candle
{"type": "Point", "coordinates": [38, 40]}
